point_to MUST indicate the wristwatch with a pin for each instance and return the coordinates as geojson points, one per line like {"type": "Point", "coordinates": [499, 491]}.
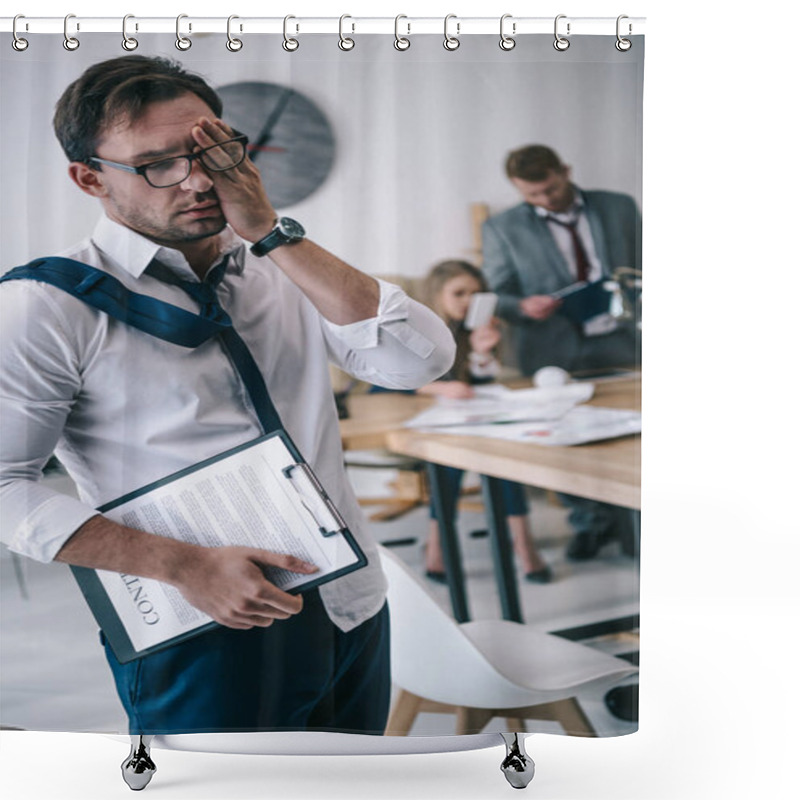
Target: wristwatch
{"type": "Point", "coordinates": [286, 231]}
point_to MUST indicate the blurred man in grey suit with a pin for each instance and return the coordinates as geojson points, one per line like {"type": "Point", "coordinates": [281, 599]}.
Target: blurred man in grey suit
{"type": "Point", "coordinates": [557, 236]}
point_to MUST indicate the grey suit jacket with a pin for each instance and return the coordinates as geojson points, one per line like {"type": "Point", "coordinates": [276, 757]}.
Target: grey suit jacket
{"type": "Point", "coordinates": [522, 259]}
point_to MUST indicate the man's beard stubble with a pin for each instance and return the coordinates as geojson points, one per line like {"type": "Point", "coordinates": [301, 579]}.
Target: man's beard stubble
{"type": "Point", "coordinates": [171, 234]}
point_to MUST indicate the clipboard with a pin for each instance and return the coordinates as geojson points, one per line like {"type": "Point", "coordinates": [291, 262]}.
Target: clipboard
{"type": "Point", "coordinates": [582, 301]}
{"type": "Point", "coordinates": [259, 494]}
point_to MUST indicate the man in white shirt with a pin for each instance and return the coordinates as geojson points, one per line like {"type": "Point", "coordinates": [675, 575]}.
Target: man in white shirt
{"type": "Point", "coordinates": [122, 408]}
{"type": "Point", "coordinates": [557, 236]}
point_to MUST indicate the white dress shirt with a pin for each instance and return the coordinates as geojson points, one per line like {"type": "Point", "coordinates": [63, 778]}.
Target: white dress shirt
{"type": "Point", "coordinates": [563, 237]}
{"type": "Point", "coordinates": [121, 408]}
{"type": "Point", "coordinates": [603, 323]}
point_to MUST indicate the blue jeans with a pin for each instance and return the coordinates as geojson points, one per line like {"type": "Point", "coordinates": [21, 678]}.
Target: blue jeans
{"type": "Point", "coordinates": [514, 500]}
{"type": "Point", "coordinates": [302, 673]}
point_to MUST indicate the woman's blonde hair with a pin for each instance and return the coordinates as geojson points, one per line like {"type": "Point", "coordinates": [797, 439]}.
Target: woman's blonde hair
{"type": "Point", "coordinates": [443, 272]}
{"type": "Point", "coordinates": [434, 282]}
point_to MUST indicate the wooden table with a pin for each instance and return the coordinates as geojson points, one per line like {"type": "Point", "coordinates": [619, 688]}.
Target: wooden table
{"type": "Point", "coordinates": [374, 416]}
{"type": "Point", "coordinates": [608, 471]}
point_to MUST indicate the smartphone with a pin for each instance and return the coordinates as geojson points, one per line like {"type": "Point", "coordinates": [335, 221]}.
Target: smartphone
{"type": "Point", "coordinates": [481, 310]}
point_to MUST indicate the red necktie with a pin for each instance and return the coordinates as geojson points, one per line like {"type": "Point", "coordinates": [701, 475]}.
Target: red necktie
{"type": "Point", "coordinates": [581, 259]}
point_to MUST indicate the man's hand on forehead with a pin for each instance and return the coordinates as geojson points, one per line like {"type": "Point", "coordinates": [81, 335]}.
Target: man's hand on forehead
{"type": "Point", "coordinates": [211, 131]}
{"type": "Point", "coordinates": [240, 191]}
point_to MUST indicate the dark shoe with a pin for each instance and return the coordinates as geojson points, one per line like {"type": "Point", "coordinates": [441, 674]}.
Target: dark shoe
{"type": "Point", "coordinates": [585, 545]}
{"type": "Point", "coordinates": [544, 575]}
{"type": "Point", "coordinates": [436, 577]}
{"type": "Point", "coordinates": [623, 702]}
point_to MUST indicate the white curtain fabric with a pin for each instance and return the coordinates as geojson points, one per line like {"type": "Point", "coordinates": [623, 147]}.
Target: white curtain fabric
{"type": "Point", "coordinates": [420, 136]}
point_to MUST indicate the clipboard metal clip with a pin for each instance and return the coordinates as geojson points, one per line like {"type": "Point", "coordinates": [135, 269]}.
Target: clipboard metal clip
{"type": "Point", "coordinates": [314, 499]}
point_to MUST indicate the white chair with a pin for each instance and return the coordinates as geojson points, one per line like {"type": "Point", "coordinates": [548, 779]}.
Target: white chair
{"type": "Point", "coordinates": [486, 668]}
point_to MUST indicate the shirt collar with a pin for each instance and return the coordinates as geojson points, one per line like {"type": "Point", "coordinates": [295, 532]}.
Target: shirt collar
{"type": "Point", "coordinates": [571, 214]}
{"type": "Point", "coordinates": [134, 252]}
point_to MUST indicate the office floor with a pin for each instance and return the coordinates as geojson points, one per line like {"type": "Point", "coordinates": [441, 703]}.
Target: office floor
{"type": "Point", "coordinates": [53, 674]}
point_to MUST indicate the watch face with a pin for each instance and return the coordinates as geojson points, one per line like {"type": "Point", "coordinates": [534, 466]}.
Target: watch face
{"type": "Point", "coordinates": [291, 228]}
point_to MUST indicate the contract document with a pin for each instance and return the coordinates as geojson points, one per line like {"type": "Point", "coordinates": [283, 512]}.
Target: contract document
{"type": "Point", "coordinates": [261, 495]}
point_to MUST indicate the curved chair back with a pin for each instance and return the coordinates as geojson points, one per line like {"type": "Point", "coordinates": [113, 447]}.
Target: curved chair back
{"type": "Point", "coordinates": [431, 656]}
{"type": "Point", "coordinates": [486, 663]}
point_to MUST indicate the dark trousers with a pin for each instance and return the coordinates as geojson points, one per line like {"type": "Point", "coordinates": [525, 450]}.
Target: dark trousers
{"type": "Point", "coordinates": [299, 674]}
{"type": "Point", "coordinates": [602, 520]}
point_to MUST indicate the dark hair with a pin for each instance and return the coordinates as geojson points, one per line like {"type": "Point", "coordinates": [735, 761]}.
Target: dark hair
{"type": "Point", "coordinates": [120, 88]}
{"type": "Point", "coordinates": [435, 280]}
{"type": "Point", "coordinates": [533, 163]}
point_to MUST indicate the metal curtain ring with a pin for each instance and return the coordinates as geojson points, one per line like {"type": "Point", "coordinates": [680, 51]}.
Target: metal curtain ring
{"type": "Point", "coordinates": [560, 42]}
{"type": "Point", "coordinates": [507, 42]}
{"type": "Point", "coordinates": [345, 42]}
{"type": "Point", "coordinates": [623, 45]}
{"type": "Point", "coordinates": [70, 42]}
{"type": "Point", "coordinates": [182, 42]}
{"type": "Point", "coordinates": [18, 43]}
{"type": "Point", "coordinates": [128, 42]}
{"type": "Point", "coordinates": [233, 44]}
{"type": "Point", "coordinates": [400, 42]}
{"type": "Point", "coordinates": [289, 44]}
{"type": "Point", "coordinates": [451, 42]}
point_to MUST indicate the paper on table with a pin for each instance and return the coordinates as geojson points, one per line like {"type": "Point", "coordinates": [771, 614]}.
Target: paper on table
{"type": "Point", "coordinates": [242, 499]}
{"type": "Point", "coordinates": [578, 426]}
{"type": "Point", "coordinates": [496, 404]}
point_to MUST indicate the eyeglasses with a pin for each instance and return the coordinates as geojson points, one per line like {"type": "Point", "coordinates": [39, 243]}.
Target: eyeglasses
{"type": "Point", "coordinates": [172, 171]}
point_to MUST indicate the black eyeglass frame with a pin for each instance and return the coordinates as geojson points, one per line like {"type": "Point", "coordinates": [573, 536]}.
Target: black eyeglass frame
{"type": "Point", "coordinates": [189, 157]}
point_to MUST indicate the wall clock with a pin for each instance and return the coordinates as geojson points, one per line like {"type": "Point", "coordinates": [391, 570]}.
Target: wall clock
{"type": "Point", "coordinates": [291, 140]}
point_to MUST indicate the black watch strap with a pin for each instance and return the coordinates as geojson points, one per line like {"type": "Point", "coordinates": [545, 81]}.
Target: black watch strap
{"type": "Point", "coordinates": [285, 231]}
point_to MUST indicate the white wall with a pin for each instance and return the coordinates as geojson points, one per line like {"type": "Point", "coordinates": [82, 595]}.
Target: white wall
{"type": "Point", "coordinates": [420, 134]}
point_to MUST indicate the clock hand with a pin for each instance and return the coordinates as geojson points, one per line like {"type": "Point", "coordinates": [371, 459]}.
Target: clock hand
{"type": "Point", "coordinates": [266, 132]}
{"type": "Point", "coordinates": [264, 149]}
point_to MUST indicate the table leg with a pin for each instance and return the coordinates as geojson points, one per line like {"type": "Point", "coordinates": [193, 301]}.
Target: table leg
{"type": "Point", "coordinates": [450, 550]}
{"type": "Point", "coordinates": [502, 554]}
{"type": "Point", "coordinates": [637, 533]}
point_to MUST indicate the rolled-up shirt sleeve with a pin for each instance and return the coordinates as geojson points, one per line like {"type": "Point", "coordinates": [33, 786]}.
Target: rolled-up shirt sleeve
{"type": "Point", "coordinates": [405, 346]}
{"type": "Point", "coordinates": [38, 381]}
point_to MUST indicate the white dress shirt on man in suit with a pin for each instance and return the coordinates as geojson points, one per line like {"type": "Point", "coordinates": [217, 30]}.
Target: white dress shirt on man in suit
{"type": "Point", "coordinates": [122, 408]}
{"type": "Point", "coordinates": [559, 223]}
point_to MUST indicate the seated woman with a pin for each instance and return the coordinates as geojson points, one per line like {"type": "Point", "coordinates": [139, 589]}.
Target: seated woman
{"type": "Point", "coordinates": [448, 288]}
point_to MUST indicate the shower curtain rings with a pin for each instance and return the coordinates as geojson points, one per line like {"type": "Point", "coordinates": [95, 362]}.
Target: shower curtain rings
{"type": "Point", "coordinates": [233, 44]}
{"type": "Point", "coordinates": [507, 42]}
{"type": "Point", "coordinates": [18, 43]}
{"type": "Point", "coordinates": [560, 43]}
{"type": "Point", "coordinates": [400, 42]}
{"type": "Point", "coordinates": [451, 42]}
{"type": "Point", "coordinates": [289, 44]}
{"type": "Point", "coordinates": [345, 42]}
{"type": "Point", "coordinates": [129, 43]}
{"type": "Point", "coordinates": [182, 42]}
{"type": "Point", "coordinates": [70, 42]}
{"type": "Point", "coordinates": [623, 45]}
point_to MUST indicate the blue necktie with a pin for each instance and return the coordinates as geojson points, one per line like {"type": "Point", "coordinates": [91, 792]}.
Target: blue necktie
{"type": "Point", "coordinates": [217, 319]}
{"type": "Point", "coordinates": [158, 318]}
